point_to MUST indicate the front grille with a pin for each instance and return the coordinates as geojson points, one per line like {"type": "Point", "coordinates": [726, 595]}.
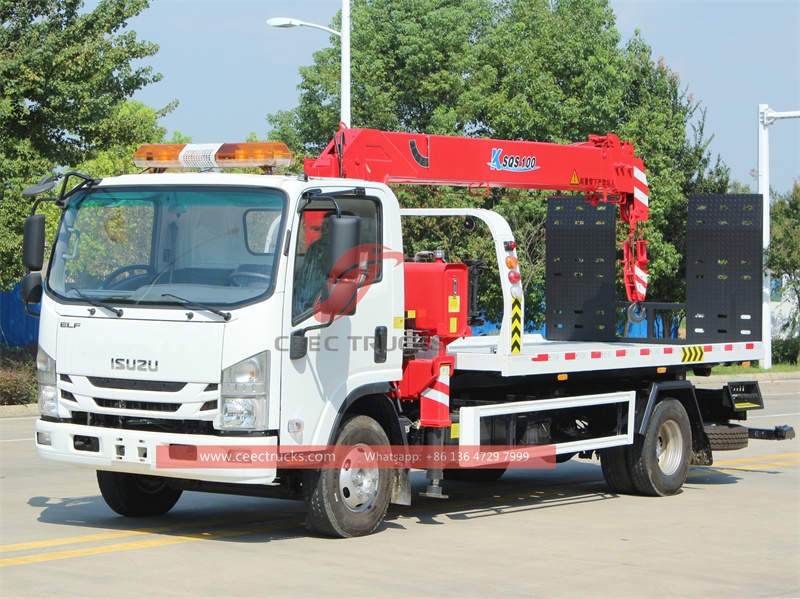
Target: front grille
{"type": "Point", "coordinates": [148, 406]}
{"type": "Point", "coordinates": [136, 385]}
{"type": "Point", "coordinates": [187, 427]}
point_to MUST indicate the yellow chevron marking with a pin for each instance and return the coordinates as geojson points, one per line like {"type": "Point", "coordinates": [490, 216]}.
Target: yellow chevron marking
{"type": "Point", "coordinates": [694, 353]}
{"type": "Point", "coordinates": [516, 325]}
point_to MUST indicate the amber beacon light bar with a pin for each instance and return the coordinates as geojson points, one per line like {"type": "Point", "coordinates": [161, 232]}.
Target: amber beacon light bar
{"type": "Point", "coordinates": [264, 155]}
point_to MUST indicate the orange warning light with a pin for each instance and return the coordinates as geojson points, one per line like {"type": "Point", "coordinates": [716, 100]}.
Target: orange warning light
{"type": "Point", "coordinates": [220, 155]}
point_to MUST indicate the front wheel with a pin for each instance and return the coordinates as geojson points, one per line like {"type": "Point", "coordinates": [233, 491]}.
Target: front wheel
{"type": "Point", "coordinates": [659, 460]}
{"type": "Point", "coordinates": [351, 498]}
{"type": "Point", "coordinates": [137, 495]}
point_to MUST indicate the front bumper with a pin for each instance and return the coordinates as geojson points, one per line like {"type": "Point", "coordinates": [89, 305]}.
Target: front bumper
{"type": "Point", "coordinates": [196, 457]}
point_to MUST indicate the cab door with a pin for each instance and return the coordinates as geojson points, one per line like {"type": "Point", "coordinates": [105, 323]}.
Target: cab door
{"type": "Point", "coordinates": [347, 349]}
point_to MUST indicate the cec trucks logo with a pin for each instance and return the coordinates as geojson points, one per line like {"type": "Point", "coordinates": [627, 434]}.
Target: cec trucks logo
{"type": "Point", "coordinates": [515, 164]}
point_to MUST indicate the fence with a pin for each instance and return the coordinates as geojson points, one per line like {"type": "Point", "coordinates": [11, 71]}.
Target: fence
{"type": "Point", "coordinates": [17, 329]}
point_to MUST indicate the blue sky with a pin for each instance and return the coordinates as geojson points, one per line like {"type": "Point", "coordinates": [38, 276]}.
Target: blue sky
{"type": "Point", "coordinates": [229, 69]}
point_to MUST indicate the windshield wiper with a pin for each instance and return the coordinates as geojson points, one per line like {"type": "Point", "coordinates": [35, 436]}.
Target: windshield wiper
{"type": "Point", "coordinates": [98, 303]}
{"type": "Point", "coordinates": [226, 316]}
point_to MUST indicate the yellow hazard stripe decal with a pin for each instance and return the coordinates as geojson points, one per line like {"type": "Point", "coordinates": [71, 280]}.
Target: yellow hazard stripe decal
{"type": "Point", "coordinates": [692, 354]}
{"type": "Point", "coordinates": [516, 325]}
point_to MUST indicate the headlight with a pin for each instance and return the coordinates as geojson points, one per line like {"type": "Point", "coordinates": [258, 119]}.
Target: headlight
{"type": "Point", "coordinates": [46, 376]}
{"type": "Point", "coordinates": [249, 371]}
{"type": "Point", "coordinates": [238, 412]}
{"type": "Point", "coordinates": [244, 404]}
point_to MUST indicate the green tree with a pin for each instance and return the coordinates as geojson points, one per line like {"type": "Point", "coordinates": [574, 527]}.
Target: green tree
{"type": "Point", "coordinates": [413, 67]}
{"type": "Point", "coordinates": [63, 74]}
{"type": "Point", "coordinates": [64, 77]}
{"type": "Point", "coordinates": [544, 70]}
{"type": "Point", "coordinates": [135, 123]}
{"type": "Point", "coordinates": [783, 257]}
{"type": "Point", "coordinates": [657, 117]}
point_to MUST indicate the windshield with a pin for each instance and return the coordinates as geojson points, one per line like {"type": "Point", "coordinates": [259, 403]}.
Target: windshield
{"type": "Point", "coordinates": [167, 245]}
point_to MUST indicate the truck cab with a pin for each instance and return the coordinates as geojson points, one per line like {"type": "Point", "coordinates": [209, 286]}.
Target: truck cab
{"type": "Point", "coordinates": [170, 305]}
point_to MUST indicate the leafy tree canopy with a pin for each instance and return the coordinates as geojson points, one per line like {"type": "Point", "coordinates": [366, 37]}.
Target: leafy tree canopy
{"type": "Point", "coordinates": [544, 70]}
{"type": "Point", "coordinates": [783, 257]}
{"type": "Point", "coordinates": [65, 76]}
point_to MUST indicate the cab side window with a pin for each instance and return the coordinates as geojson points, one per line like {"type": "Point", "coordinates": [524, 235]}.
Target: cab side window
{"type": "Point", "coordinates": [311, 249]}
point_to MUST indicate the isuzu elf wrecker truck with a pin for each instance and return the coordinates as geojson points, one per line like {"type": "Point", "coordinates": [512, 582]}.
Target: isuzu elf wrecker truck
{"type": "Point", "coordinates": [267, 335]}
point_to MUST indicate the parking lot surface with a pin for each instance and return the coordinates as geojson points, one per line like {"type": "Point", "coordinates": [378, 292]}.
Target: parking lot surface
{"type": "Point", "coordinates": [733, 531]}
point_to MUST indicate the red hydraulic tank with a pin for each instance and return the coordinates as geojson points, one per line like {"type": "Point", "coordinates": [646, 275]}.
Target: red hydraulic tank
{"type": "Point", "coordinates": [436, 298]}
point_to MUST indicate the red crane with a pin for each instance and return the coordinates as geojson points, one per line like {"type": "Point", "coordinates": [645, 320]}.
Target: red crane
{"type": "Point", "coordinates": [604, 168]}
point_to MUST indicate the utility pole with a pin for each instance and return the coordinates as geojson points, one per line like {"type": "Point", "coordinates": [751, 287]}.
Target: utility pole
{"type": "Point", "coordinates": [767, 116]}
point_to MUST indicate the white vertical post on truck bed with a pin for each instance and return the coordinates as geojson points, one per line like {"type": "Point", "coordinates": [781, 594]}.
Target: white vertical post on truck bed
{"type": "Point", "coordinates": [766, 117]}
{"type": "Point", "coordinates": [501, 232]}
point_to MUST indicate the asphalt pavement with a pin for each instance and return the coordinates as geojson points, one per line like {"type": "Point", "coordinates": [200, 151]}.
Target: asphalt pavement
{"type": "Point", "coordinates": [733, 531]}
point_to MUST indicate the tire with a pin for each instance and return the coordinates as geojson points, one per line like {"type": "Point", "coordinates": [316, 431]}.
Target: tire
{"type": "Point", "coordinates": [474, 475]}
{"type": "Point", "coordinates": [725, 436]}
{"type": "Point", "coordinates": [614, 462]}
{"type": "Point", "coordinates": [349, 502]}
{"type": "Point", "coordinates": [137, 495]}
{"type": "Point", "coordinates": [659, 460]}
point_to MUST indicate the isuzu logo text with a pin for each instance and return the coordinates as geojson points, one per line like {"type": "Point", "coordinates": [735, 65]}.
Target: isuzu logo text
{"type": "Point", "coordinates": [131, 364]}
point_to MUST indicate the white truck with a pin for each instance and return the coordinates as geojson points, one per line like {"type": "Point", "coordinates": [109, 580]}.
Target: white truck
{"type": "Point", "coordinates": [219, 332]}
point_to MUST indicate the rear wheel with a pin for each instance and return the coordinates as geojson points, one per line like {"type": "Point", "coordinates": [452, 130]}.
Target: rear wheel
{"type": "Point", "coordinates": [351, 498]}
{"type": "Point", "coordinates": [614, 462]}
{"type": "Point", "coordinates": [659, 460]}
{"type": "Point", "coordinates": [137, 495]}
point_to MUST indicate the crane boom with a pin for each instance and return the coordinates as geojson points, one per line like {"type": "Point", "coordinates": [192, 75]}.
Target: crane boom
{"type": "Point", "coordinates": [604, 168]}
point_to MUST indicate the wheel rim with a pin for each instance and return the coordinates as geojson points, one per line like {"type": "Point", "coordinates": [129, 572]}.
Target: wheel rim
{"type": "Point", "coordinates": [669, 449]}
{"type": "Point", "coordinates": [358, 480]}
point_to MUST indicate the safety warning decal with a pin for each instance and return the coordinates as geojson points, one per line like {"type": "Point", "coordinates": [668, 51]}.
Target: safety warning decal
{"type": "Point", "coordinates": [516, 325]}
{"type": "Point", "coordinates": [692, 354]}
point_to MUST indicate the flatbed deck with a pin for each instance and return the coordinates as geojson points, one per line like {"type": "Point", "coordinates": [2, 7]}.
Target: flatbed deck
{"type": "Point", "coordinates": [540, 356]}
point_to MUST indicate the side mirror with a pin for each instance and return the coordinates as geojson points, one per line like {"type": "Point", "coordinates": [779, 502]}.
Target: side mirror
{"type": "Point", "coordinates": [31, 288]}
{"type": "Point", "coordinates": [342, 269]}
{"type": "Point", "coordinates": [339, 297]}
{"type": "Point", "coordinates": [44, 185]}
{"type": "Point", "coordinates": [33, 243]}
{"type": "Point", "coordinates": [298, 345]}
{"type": "Point", "coordinates": [344, 234]}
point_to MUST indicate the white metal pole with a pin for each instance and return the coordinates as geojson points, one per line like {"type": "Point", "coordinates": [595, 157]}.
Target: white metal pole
{"type": "Point", "coordinates": [766, 117]}
{"type": "Point", "coordinates": [763, 189]}
{"type": "Point", "coordinates": [345, 38]}
{"type": "Point", "coordinates": [344, 35]}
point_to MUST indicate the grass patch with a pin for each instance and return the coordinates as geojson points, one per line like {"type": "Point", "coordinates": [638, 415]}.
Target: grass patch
{"type": "Point", "coordinates": [739, 369]}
